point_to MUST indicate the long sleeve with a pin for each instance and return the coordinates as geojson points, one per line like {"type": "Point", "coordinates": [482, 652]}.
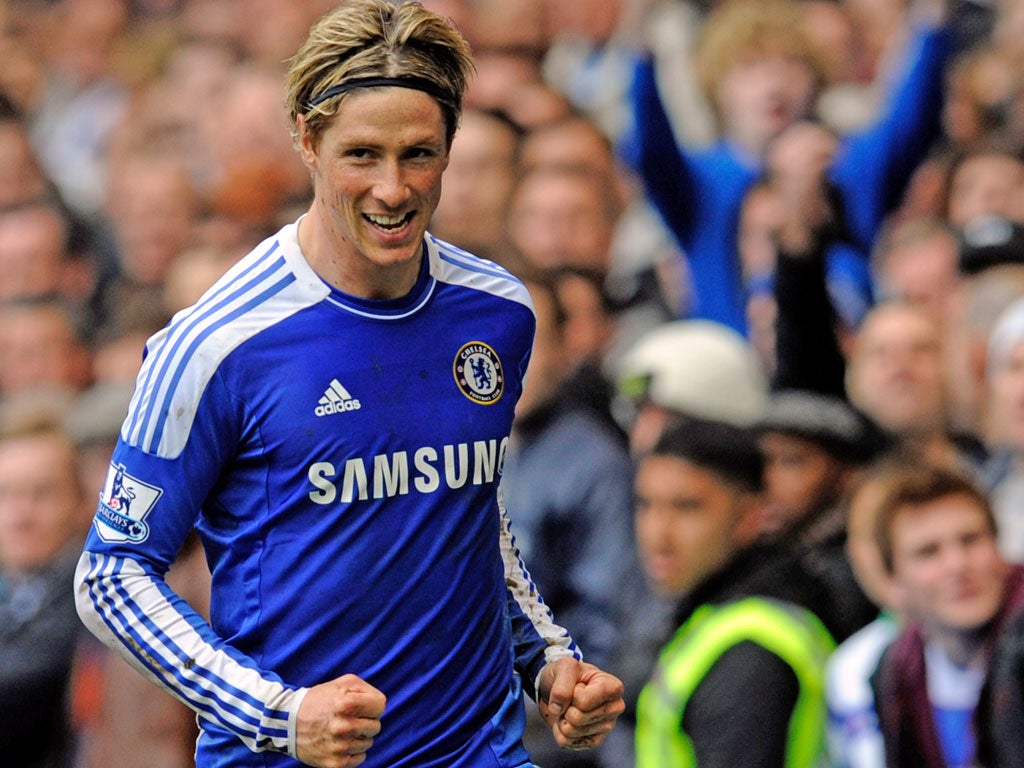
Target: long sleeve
{"type": "Point", "coordinates": [651, 148]}
{"type": "Point", "coordinates": [134, 612]}
{"type": "Point", "coordinates": [807, 350]}
{"type": "Point", "coordinates": [874, 166]}
{"type": "Point", "coordinates": [537, 639]}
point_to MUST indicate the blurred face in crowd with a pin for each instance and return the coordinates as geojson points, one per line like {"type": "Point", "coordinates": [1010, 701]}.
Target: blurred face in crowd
{"type": "Point", "coordinates": [38, 347]}
{"type": "Point", "coordinates": [801, 478]}
{"type": "Point", "coordinates": [924, 270]}
{"type": "Point", "coordinates": [39, 499]}
{"type": "Point", "coordinates": [562, 218]}
{"type": "Point", "coordinates": [21, 179]}
{"type": "Point", "coordinates": [32, 253]}
{"type": "Point", "coordinates": [689, 522]}
{"type": "Point", "coordinates": [762, 93]}
{"type": "Point", "coordinates": [589, 325]}
{"type": "Point", "coordinates": [153, 207]}
{"type": "Point", "coordinates": [986, 184]}
{"type": "Point", "coordinates": [573, 142]}
{"type": "Point", "coordinates": [895, 372]}
{"type": "Point", "coordinates": [946, 564]}
{"type": "Point", "coordinates": [547, 361]}
{"type": "Point", "coordinates": [477, 184]}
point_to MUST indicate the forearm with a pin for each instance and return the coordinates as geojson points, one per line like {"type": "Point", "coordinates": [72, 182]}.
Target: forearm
{"type": "Point", "coordinates": [537, 639]}
{"type": "Point", "coordinates": [159, 635]}
{"type": "Point", "coordinates": [807, 349]}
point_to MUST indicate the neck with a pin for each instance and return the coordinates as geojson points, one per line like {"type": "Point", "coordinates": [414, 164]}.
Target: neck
{"type": "Point", "coordinates": [964, 648]}
{"type": "Point", "coordinates": [336, 261]}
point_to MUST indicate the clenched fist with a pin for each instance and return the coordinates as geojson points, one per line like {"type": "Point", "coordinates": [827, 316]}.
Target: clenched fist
{"type": "Point", "coordinates": [337, 721]}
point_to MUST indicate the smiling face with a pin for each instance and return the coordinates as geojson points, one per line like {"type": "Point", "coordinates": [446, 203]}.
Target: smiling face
{"type": "Point", "coordinates": [946, 564]}
{"type": "Point", "coordinates": [377, 180]}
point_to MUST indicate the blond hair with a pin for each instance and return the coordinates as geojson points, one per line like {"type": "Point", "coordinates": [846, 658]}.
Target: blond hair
{"type": "Point", "coordinates": [377, 38]}
{"type": "Point", "coordinates": [739, 28]}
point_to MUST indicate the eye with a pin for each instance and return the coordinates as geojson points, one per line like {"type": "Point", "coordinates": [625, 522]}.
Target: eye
{"type": "Point", "coordinates": [421, 153]}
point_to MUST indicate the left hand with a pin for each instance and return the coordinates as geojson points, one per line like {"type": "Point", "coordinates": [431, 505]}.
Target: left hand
{"type": "Point", "coordinates": [579, 702]}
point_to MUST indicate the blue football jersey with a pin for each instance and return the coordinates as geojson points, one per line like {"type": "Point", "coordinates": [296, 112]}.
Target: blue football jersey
{"type": "Point", "coordinates": [341, 460]}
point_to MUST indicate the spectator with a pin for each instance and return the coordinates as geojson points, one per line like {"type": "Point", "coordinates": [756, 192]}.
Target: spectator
{"type": "Point", "coordinates": [814, 446]}
{"type": "Point", "coordinates": [478, 185]}
{"type": "Point", "coordinates": [742, 638]}
{"type": "Point", "coordinates": [896, 375]}
{"type": "Point", "coordinates": [152, 210]}
{"type": "Point", "coordinates": [983, 103]}
{"type": "Point", "coordinates": [792, 228]}
{"type": "Point", "coordinates": [761, 74]}
{"type": "Point", "coordinates": [21, 178]}
{"type": "Point", "coordinates": [983, 297]}
{"type": "Point", "coordinates": [986, 181]}
{"type": "Point", "coordinates": [590, 57]}
{"type": "Point", "coordinates": [696, 369]}
{"type": "Point", "coordinates": [564, 218]}
{"type": "Point", "coordinates": [41, 255]}
{"type": "Point", "coordinates": [937, 537]}
{"type": "Point", "coordinates": [918, 260]}
{"type": "Point", "coordinates": [509, 39]}
{"type": "Point", "coordinates": [1004, 472]}
{"type": "Point", "coordinates": [82, 100]}
{"type": "Point", "coordinates": [41, 345]}
{"type": "Point", "coordinates": [641, 278]}
{"type": "Point", "coordinates": [1001, 712]}
{"type": "Point", "coordinates": [41, 530]}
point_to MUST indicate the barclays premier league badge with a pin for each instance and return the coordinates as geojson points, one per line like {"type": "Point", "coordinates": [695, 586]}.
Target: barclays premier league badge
{"type": "Point", "coordinates": [124, 503]}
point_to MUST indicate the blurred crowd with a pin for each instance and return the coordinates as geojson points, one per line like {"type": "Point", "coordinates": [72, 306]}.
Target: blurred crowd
{"type": "Point", "coordinates": [795, 226]}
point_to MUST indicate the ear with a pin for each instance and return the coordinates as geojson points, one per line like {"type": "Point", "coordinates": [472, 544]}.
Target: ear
{"type": "Point", "coordinates": [304, 143]}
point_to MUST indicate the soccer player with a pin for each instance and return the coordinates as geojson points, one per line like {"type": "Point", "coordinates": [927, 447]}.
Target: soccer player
{"type": "Point", "coordinates": [332, 417]}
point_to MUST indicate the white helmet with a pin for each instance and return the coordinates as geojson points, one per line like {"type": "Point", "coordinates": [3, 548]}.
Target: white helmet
{"type": "Point", "coordinates": [698, 368]}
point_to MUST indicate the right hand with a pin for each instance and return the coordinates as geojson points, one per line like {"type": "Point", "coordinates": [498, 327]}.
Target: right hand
{"type": "Point", "coordinates": [337, 721]}
{"type": "Point", "coordinates": [798, 162]}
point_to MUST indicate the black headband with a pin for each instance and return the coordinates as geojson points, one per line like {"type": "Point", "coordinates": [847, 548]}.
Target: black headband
{"type": "Point", "coordinates": [416, 83]}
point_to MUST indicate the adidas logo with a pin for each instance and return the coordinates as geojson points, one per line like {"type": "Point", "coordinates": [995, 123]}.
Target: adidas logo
{"type": "Point", "coordinates": [336, 400]}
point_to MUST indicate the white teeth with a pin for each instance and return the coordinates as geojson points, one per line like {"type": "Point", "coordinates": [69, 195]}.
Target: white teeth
{"type": "Point", "coordinates": [385, 221]}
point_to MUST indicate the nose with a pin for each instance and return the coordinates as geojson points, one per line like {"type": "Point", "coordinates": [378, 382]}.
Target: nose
{"type": "Point", "coordinates": [390, 186]}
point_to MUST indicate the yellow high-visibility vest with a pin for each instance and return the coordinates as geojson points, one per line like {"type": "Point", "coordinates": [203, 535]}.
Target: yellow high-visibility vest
{"type": "Point", "coordinates": [792, 633]}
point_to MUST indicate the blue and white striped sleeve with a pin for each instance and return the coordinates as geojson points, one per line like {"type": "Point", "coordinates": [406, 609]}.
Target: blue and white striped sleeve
{"type": "Point", "coordinates": [537, 638]}
{"type": "Point", "coordinates": [134, 612]}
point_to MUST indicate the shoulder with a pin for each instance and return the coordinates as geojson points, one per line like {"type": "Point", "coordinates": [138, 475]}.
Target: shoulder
{"type": "Point", "coordinates": [270, 284]}
{"type": "Point", "coordinates": [453, 266]}
{"type": "Point", "coordinates": [783, 627]}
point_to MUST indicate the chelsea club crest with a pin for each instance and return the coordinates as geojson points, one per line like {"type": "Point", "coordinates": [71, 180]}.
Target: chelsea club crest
{"type": "Point", "coordinates": [479, 373]}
